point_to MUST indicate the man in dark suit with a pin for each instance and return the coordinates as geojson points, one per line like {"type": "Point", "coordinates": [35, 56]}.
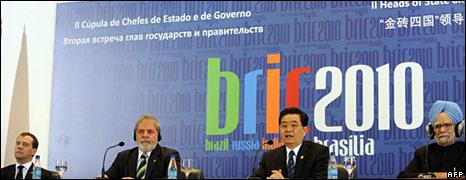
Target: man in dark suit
{"type": "Point", "coordinates": [149, 159]}
{"type": "Point", "coordinates": [297, 158]}
{"type": "Point", "coordinates": [446, 154]}
{"type": "Point", "coordinates": [25, 149]}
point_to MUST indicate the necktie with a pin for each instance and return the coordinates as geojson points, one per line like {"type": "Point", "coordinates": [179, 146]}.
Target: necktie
{"type": "Point", "coordinates": [141, 173]}
{"type": "Point", "coordinates": [20, 172]}
{"type": "Point", "coordinates": [290, 166]}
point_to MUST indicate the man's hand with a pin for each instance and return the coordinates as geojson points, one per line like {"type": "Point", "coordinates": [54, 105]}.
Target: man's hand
{"type": "Point", "coordinates": [100, 177]}
{"type": "Point", "coordinates": [442, 175]}
{"type": "Point", "coordinates": [276, 175]}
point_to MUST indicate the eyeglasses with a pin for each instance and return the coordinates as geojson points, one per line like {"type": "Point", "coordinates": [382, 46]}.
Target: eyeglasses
{"type": "Point", "coordinates": [446, 125]}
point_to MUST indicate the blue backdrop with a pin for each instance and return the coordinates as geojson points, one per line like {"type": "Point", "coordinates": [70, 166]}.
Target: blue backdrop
{"type": "Point", "coordinates": [375, 70]}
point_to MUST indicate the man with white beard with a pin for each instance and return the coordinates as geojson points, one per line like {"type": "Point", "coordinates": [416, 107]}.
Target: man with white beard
{"type": "Point", "coordinates": [147, 161]}
{"type": "Point", "coordinates": [446, 155]}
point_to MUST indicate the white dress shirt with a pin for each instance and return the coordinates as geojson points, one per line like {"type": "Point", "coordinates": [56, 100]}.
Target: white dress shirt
{"type": "Point", "coordinates": [295, 150]}
{"type": "Point", "coordinates": [25, 169]}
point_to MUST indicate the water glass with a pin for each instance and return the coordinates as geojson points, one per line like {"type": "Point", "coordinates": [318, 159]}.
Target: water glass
{"type": "Point", "coordinates": [61, 166]}
{"type": "Point", "coordinates": [350, 165]}
{"type": "Point", "coordinates": [187, 166]}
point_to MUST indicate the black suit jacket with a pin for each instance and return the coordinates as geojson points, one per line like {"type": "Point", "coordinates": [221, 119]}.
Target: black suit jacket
{"type": "Point", "coordinates": [440, 159]}
{"type": "Point", "coordinates": [9, 173]}
{"type": "Point", "coordinates": [311, 162]}
{"type": "Point", "coordinates": [125, 164]}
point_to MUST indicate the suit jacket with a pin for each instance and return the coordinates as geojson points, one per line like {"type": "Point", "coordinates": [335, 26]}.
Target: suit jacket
{"type": "Point", "coordinates": [440, 159]}
{"type": "Point", "coordinates": [125, 164]}
{"type": "Point", "coordinates": [9, 173]}
{"type": "Point", "coordinates": [311, 162]}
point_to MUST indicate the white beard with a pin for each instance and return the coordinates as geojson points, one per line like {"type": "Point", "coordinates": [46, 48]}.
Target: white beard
{"type": "Point", "coordinates": [146, 148]}
{"type": "Point", "coordinates": [445, 140]}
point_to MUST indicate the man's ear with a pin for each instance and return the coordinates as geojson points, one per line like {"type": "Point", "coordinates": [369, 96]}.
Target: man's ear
{"type": "Point", "coordinates": [34, 151]}
{"type": "Point", "coordinates": [307, 129]}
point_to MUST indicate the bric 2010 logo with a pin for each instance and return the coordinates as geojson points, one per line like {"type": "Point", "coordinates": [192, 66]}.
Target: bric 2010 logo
{"type": "Point", "coordinates": [250, 93]}
{"type": "Point", "coordinates": [353, 76]}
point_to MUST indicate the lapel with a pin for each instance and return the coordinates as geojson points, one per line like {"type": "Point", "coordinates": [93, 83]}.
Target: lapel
{"type": "Point", "coordinates": [281, 159]}
{"type": "Point", "coordinates": [300, 162]}
{"type": "Point", "coordinates": [154, 161]}
{"type": "Point", "coordinates": [10, 172]}
{"type": "Point", "coordinates": [133, 162]}
{"type": "Point", "coordinates": [28, 174]}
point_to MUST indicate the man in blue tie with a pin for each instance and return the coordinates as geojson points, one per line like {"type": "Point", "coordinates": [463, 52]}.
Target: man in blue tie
{"type": "Point", "coordinates": [297, 158]}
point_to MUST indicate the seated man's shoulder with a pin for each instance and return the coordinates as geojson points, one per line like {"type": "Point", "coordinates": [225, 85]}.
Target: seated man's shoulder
{"type": "Point", "coordinates": [167, 150]}
{"type": "Point", "coordinates": [313, 145]}
{"type": "Point", "coordinates": [47, 174]}
{"type": "Point", "coordinates": [9, 167]}
{"type": "Point", "coordinates": [127, 152]}
{"type": "Point", "coordinates": [5, 170]}
{"type": "Point", "coordinates": [274, 151]}
{"type": "Point", "coordinates": [422, 149]}
{"type": "Point", "coordinates": [46, 171]}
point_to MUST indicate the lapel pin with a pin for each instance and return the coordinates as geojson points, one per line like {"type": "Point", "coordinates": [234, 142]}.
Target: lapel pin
{"type": "Point", "coordinates": [302, 157]}
{"type": "Point", "coordinates": [155, 160]}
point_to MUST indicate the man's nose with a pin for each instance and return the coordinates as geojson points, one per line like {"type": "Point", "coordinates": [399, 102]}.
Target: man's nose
{"type": "Point", "coordinates": [145, 134]}
{"type": "Point", "coordinates": [443, 130]}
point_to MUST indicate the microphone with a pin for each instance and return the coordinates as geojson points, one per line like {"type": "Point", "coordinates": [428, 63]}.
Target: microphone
{"type": "Point", "coordinates": [121, 143]}
{"type": "Point", "coordinates": [269, 142]}
{"type": "Point", "coordinates": [426, 162]}
{"type": "Point", "coordinates": [427, 173]}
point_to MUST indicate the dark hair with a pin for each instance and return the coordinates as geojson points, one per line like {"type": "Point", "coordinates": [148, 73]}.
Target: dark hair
{"type": "Point", "coordinates": [294, 110]}
{"type": "Point", "coordinates": [35, 142]}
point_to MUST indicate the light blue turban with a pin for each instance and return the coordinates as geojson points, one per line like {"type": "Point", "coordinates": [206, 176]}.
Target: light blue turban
{"type": "Point", "coordinates": [452, 109]}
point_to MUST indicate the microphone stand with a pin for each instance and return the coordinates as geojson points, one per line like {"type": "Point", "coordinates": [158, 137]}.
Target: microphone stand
{"type": "Point", "coordinates": [427, 173]}
{"type": "Point", "coordinates": [105, 155]}
{"type": "Point", "coordinates": [269, 142]}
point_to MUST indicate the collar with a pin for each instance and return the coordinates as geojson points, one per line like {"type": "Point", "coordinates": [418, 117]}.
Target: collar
{"type": "Point", "coordinates": [296, 150]}
{"type": "Point", "coordinates": [447, 148]}
{"type": "Point", "coordinates": [140, 153]}
{"type": "Point", "coordinates": [26, 165]}
{"type": "Point", "coordinates": [148, 153]}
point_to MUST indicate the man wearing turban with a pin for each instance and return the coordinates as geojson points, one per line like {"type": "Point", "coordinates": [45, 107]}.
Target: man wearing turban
{"type": "Point", "coordinates": [446, 154]}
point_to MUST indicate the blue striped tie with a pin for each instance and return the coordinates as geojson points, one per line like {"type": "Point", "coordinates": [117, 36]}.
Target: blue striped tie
{"type": "Point", "coordinates": [290, 166]}
{"type": "Point", "coordinates": [141, 173]}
